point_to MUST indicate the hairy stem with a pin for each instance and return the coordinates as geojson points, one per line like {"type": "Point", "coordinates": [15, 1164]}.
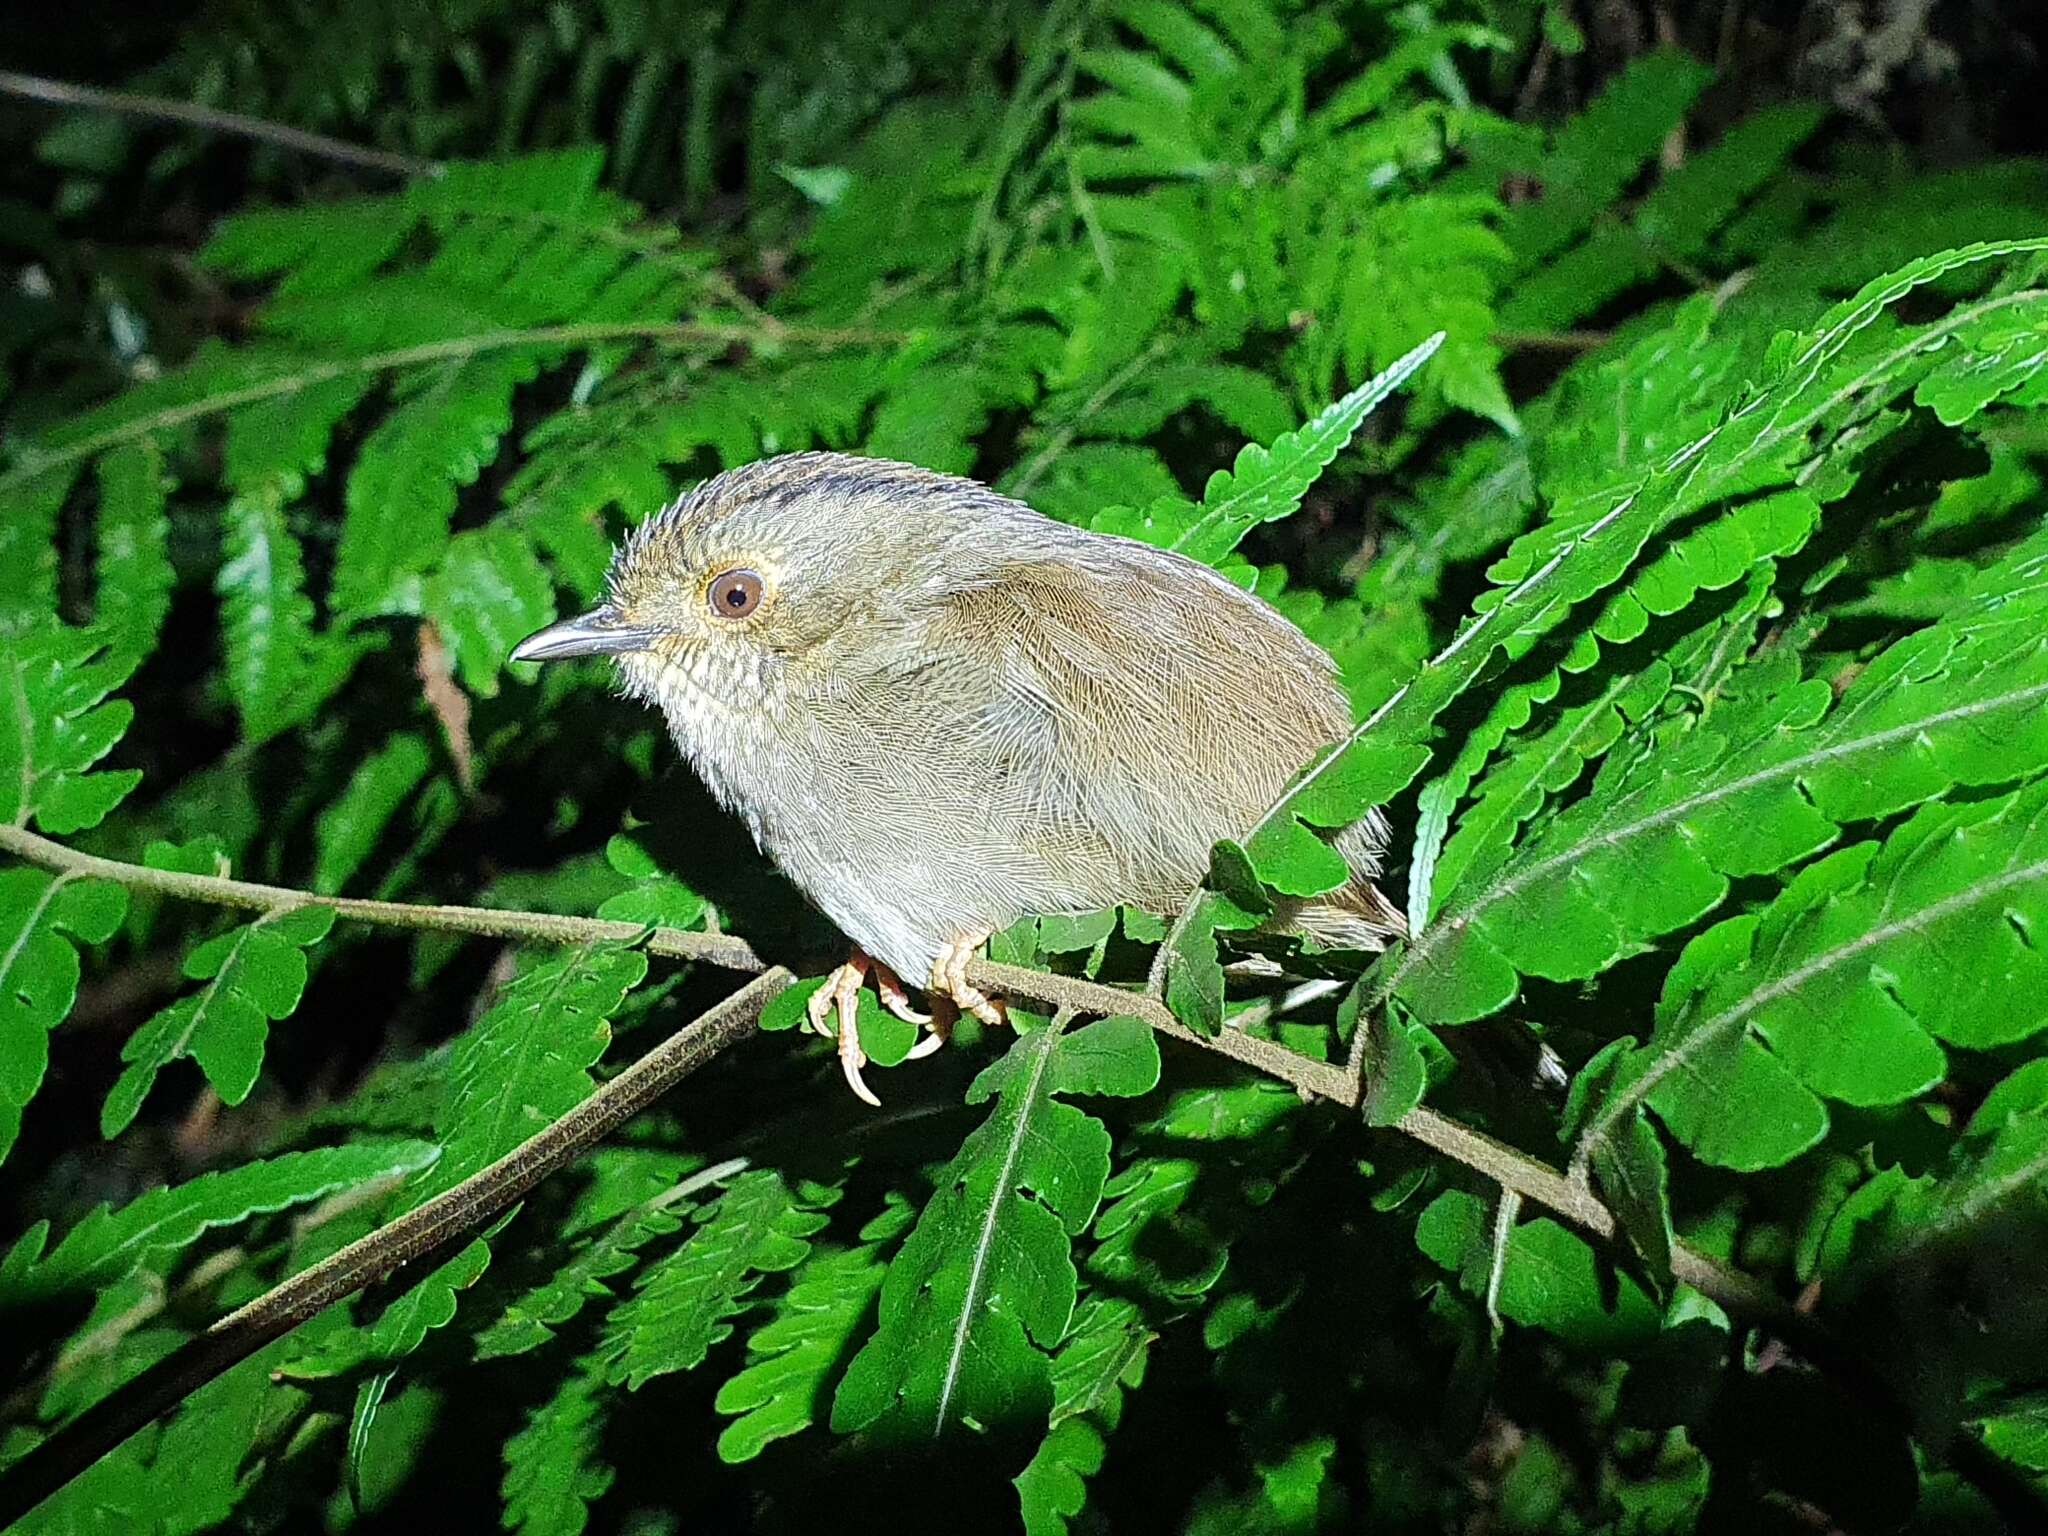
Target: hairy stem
{"type": "Point", "coordinates": [1526, 1176]}
{"type": "Point", "coordinates": [733, 954]}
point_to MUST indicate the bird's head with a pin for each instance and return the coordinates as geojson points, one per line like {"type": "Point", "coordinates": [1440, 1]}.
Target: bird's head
{"type": "Point", "coordinates": [766, 575]}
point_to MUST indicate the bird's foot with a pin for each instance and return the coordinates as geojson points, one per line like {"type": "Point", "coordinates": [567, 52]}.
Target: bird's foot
{"type": "Point", "coordinates": [949, 979]}
{"type": "Point", "coordinates": [895, 996]}
{"type": "Point", "coordinates": [835, 1007]}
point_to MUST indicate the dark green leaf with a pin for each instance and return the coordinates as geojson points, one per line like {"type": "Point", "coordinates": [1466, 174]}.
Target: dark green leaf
{"type": "Point", "coordinates": [684, 1303]}
{"type": "Point", "coordinates": [40, 915]}
{"type": "Point", "coordinates": [1843, 987]}
{"type": "Point", "coordinates": [1266, 483]}
{"type": "Point", "coordinates": [109, 1244]}
{"type": "Point", "coordinates": [791, 1357]}
{"type": "Point", "coordinates": [254, 975]}
{"type": "Point", "coordinates": [1551, 1280]}
{"type": "Point", "coordinates": [55, 723]}
{"type": "Point", "coordinates": [553, 1466]}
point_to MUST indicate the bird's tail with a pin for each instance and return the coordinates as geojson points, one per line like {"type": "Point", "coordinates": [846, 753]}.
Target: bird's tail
{"type": "Point", "coordinates": [1356, 916]}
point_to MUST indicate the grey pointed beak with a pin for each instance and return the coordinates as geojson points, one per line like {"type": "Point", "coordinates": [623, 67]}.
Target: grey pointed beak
{"type": "Point", "coordinates": [600, 632]}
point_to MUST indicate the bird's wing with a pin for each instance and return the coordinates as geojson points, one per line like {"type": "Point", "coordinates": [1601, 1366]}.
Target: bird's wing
{"type": "Point", "coordinates": [1160, 707]}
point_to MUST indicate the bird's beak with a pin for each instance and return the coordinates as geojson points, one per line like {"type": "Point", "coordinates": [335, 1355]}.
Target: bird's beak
{"type": "Point", "coordinates": [600, 632]}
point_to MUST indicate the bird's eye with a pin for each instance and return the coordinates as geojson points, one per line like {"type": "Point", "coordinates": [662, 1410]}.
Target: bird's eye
{"type": "Point", "coordinates": [735, 594]}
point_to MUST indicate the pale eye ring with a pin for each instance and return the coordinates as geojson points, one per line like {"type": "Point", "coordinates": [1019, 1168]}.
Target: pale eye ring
{"type": "Point", "coordinates": [734, 594]}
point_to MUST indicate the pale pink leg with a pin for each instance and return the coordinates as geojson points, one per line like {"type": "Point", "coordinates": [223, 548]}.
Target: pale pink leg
{"type": "Point", "coordinates": [840, 998]}
{"type": "Point", "coordinates": [835, 1007]}
{"type": "Point", "coordinates": [895, 996]}
{"type": "Point", "coordinates": [949, 978]}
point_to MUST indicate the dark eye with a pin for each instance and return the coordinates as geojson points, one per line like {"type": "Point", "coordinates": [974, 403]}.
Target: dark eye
{"type": "Point", "coordinates": [735, 594]}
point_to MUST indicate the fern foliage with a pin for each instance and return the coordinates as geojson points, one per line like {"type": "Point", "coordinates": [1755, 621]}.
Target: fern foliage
{"type": "Point", "coordinates": [684, 1300]}
{"type": "Point", "coordinates": [986, 1274]}
{"type": "Point", "coordinates": [1659, 461]}
{"type": "Point", "coordinates": [44, 915]}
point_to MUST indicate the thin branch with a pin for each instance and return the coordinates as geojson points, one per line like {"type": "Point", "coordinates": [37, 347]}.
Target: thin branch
{"type": "Point", "coordinates": [165, 109]}
{"type": "Point", "coordinates": [416, 1237]}
{"type": "Point", "coordinates": [61, 93]}
{"type": "Point", "coordinates": [1056, 445]}
{"type": "Point", "coordinates": [1551, 341]}
{"type": "Point", "coordinates": [448, 350]}
{"type": "Point", "coordinates": [734, 954]}
{"type": "Point", "coordinates": [1495, 1160]}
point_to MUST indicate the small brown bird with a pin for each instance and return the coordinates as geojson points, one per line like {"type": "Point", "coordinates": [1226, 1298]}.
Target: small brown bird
{"type": "Point", "coordinates": [940, 711]}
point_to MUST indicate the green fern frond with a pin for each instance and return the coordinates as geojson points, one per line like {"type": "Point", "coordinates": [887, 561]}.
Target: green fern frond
{"type": "Point", "coordinates": [985, 1283]}
{"type": "Point", "coordinates": [532, 1318]}
{"type": "Point", "coordinates": [1741, 547]}
{"type": "Point", "coordinates": [1770, 782]}
{"type": "Point", "coordinates": [254, 977]}
{"type": "Point", "coordinates": [381, 785]}
{"type": "Point", "coordinates": [1265, 484]}
{"type": "Point", "coordinates": [792, 1357]}
{"type": "Point", "coordinates": [109, 1244]}
{"type": "Point", "coordinates": [553, 1466]}
{"type": "Point", "coordinates": [402, 491]}
{"type": "Point", "coordinates": [1997, 1165]}
{"type": "Point", "coordinates": [208, 1441]}
{"type": "Point", "coordinates": [1105, 1352]}
{"type": "Point", "coordinates": [524, 1064]}
{"type": "Point", "coordinates": [655, 896]}
{"type": "Point", "coordinates": [56, 722]}
{"type": "Point", "coordinates": [40, 915]}
{"type": "Point", "coordinates": [1844, 987]}
{"type": "Point", "coordinates": [1673, 225]}
{"type": "Point", "coordinates": [29, 506]}
{"type": "Point", "coordinates": [488, 592]}
{"type": "Point", "coordinates": [280, 669]}
{"type": "Point", "coordinates": [683, 1303]}
{"type": "Point", "coordinates": [1594, 156]}
{"type": "Point", "coordinates": [1165, 1232]}
{"type": "Point", "coordinates": [133, 577]}
{"type": "Point", "coordinates": [314, 252]}
{"type": "Point", "coordinates": [1829, 380]}
{"type": "Point", "coordinates": [1544, 764]}
{"type": "Point", "coordinates": [527, 1061]}
{"type": "Point", "coordinates": [1549, 1277]}
{"type": "Point", "coordinates": [1379, 304]}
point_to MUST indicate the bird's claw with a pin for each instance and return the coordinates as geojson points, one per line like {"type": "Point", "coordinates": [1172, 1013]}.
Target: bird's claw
{"type": "Point", "coordinates": [944, 1015]}
{"type": "Point", "coordinates": [895, 996]}
{"type": "Point", "coordinates": [949, 979]}
{"type": "Point", "coordinates": [839, 1000]}
{"type": "Point", "coordinates": [834, 1008]}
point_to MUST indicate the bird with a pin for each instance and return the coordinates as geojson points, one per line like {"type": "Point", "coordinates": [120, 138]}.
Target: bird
{"type": "Point", "coordinates": [938, 711]}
